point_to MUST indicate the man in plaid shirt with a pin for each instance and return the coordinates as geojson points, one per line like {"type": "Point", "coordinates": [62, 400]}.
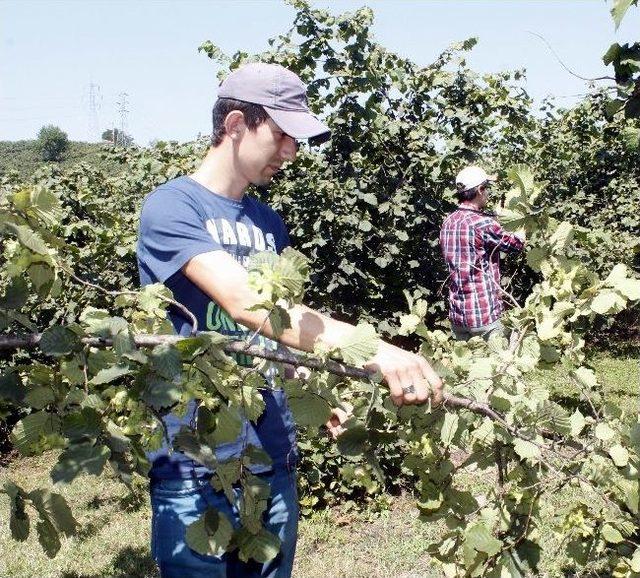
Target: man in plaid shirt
{"type": "Point", "coordinates": [471, 242]}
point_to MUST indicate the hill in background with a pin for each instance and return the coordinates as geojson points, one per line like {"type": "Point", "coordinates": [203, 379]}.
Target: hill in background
{"type": "Point", "coordinates": [24, 157]}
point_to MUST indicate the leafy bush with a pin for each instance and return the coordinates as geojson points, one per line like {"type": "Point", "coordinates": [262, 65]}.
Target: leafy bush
{"type": "Point", "coordinates": [53, 143]}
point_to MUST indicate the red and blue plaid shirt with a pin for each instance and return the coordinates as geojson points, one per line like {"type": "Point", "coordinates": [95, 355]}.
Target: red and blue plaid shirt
{"type": "Point", "coordinates": [471, 242]}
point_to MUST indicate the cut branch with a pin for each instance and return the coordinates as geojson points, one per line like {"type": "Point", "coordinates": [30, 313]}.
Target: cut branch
{"type": "Point", "coordinates": [31, 341]}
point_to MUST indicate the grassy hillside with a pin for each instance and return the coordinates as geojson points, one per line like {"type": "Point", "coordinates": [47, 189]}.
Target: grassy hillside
{"type": "Point", "coordinates": [24, 157]}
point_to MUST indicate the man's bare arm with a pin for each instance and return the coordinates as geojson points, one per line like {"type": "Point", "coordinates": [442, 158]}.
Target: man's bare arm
{"type": "Point", "coordinates": [226, 282]}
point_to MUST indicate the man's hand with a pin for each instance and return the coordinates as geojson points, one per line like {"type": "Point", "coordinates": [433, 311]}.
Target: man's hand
{"type": "Point", "coordinates": [338, 416]}
{"type": "Point", "coordinates": [409, 377]}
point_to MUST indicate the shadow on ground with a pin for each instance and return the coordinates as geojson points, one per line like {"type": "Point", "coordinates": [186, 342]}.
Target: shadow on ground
{"type": "Point", "coordinates": [129, 563]}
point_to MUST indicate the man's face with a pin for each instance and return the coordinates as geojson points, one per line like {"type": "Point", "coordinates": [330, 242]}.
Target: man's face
{"type": "Point", "coordinates": [263, 151]}
{"type": "Point", "coordinates": [484, 193]}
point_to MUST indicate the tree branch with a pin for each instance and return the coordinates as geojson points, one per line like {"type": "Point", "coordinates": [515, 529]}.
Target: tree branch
{"type": "Point", "coordinates": [31, 341]}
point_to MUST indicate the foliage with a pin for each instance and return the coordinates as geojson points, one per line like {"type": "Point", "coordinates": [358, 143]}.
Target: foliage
{"type": "Point", "coordinates": [365, 209]}
{"type": "Point", "coordinates": [625, 61]}
{"type": "Point", "coordinates": [100, 405]}
{"type": "Point", "coordinates": [52, 142]}
{"type": "Point", "coordinates": [592, 180]}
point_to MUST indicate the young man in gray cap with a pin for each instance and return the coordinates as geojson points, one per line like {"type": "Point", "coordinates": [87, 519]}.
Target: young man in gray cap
{"type": "Point", "coordinates": [196, 233]}
{"type": "Point", "coordinates": [471, 241]}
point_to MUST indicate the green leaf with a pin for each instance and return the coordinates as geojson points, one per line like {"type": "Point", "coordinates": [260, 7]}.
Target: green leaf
{"type": "Point", "coordinates": [554, 417]}
{"type": "Point", "coordinates": [252, 403]}
{"type": "Point", "coordinates": [79, 459]}
{"type": "Point", "coordinates": [11, 387]}
{"type": "Point", "coordinates": [226, 475]}
{"type": "Point", "coordinates": [607, 301]}
{"type": "Point", "coordinates": [42, 276]}
{"type": "Point", "coordinates": [360, 345]}
{"type": "Point", "coordinates": [262, 547]}
{"type": "Point", "coordinates": [253, 503]}
{"type": "Point", "coordinates": [29, 238]}
{"type": "Point", "coordinates": [34, 432]}
{"type": "Point", "coordinates": [561, 237]}
{"type": "Point", "coordinates": [370, 198]}
{"type": "Point", "coordinates": [124, 344]}
{"type": "Point", "coordinates": [630, 288]}
{"type": "Point", "coordinates": [611, 535]}
{"type": "Point", "coordinates": [586, 377]}
{"type": "Point", "coordinates": [160, 393]}
{"type": "Point", "coordinates": [512, 220]}
{"type": "Point", "coordinates": [449, 429]}
{"type": "Point", "coordinates": [116, 440]}
{"type": "Point", "coordinates": [522, 177]}
{"type": "Point", "coordinates": [280, 320]}
{"type": "Point", "coordinates": [109, 374]}
{"type": "Point", "coordinates": [619, 9]}
{"type": "Point", "coordinates": [82, 424]}
{"type": "Point", "coordinates": [604, 432]}
{"type": "Point", "coordinates": [254, 455]}
{"type": "Point", "coordinates": [619, 455]}
{"type": "Point", "coordinates": [535, 256]}
{"type": "Point", "coordinates": [278, 276]}
{"type": "Point", "coordinates": [166, 361]}
{"type": "Point", "coordinates": [15, 295]}
{"type": "Point", "coordinates": [193, 346]}
{"type": "Point", "coordinates": [631, 138]}
{"type": "Point", "coordinates": [485, 434]}
{"type": "Point", "coordinates": [577, 422]}
{"type": "Point", "coordinates": [39, 397]}
{"type": "Point", "coordinates": [526, 449]}
{"type": "Point", "coordinates": [58, 341]}
{"type": "Point", "coordinates": [210, 534]}
{"type": "Point", "coordinates": [309, 409]}
{"type": "Point", "coordinates": [228, 424]}
{"type": "Point", "coordinates": [635, 561]}
{"type": "Point", "coordinates": [528, 353]}
{"type": "Point", "coordinates": [479, 537]}
{"type": "Point", "coordinates": [353, 441]}
{"type": "Point", "coordinates": [188, 443]}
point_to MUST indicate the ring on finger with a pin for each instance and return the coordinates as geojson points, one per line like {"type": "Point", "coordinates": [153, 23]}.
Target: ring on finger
{"type": "Point", "coordinates": [409, 389]}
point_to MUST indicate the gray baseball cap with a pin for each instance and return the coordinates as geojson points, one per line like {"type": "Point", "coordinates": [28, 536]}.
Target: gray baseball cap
{"type": "Point", "coordinates": [282, 94]}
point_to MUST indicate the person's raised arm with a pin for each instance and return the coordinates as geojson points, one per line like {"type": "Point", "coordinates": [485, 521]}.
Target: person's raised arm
{"type": "Point", "coordinates": [495, 236]}
{"type": "Point", "coordinates": [409, 377]}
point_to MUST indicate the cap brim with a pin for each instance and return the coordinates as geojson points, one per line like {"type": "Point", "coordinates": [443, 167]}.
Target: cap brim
{"type": "Point", "coordinates": [300, 124]}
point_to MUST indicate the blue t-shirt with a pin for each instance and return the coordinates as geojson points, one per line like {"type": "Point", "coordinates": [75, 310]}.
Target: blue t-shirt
{"type": "Point", "coordinates": [179, 220]}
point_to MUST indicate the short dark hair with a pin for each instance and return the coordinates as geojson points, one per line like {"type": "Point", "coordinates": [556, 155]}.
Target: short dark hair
{"type": "Point", "coordinates": [468, 194]}
{"type": "Point", "coordinates": [254, 116]}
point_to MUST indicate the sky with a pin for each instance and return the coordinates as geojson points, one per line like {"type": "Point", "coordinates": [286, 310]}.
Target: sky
{"type": "Point", "coordinates": [53, 51]}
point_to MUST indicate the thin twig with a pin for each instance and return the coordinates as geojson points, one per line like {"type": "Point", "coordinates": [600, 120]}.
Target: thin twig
{"type": "Point", "coordinates": [253, 335]}
{"type": "Point", "coordinates": [565, 66]}
{"type": "Point", "coordinates": [176, 304]}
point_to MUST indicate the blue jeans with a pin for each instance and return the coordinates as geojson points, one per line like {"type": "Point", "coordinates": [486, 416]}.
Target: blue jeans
{"type": "Point", "coordinates": [177, 503]}
{"type": "Point", "coordinates": [465, 333]}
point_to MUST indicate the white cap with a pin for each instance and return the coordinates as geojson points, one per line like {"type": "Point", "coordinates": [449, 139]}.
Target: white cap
{"type": "Point", "coordinates": [472, 177]}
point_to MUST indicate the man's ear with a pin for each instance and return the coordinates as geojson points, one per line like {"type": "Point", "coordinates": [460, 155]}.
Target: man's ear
{"type": "Point", "coordinates": [234, 124]}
